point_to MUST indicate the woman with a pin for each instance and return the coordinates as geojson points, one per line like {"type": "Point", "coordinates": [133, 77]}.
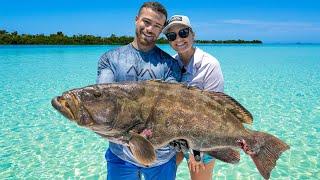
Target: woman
{"type": "Point", "coordinates": [199, 69]}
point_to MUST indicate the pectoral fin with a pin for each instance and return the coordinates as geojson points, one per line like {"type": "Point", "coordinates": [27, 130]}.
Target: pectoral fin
{"type": "Point", "coordinates": [142, 149]}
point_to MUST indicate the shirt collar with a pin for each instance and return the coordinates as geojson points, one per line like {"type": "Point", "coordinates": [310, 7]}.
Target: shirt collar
{"type": "Point", "coordinates": [143, 52]}
{"type": "Point", "coordinates": [195, 61]}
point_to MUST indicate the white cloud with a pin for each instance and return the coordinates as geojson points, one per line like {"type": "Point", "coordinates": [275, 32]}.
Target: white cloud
{"type": "Point", "coordinates": [258, 29]}
{"type": "Point", "coordinates": [261, 24]}
{"type": "Point", "coordinates": [269, 23]}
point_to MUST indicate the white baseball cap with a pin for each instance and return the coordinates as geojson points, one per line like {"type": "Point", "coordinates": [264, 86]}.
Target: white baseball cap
{"type": "Point", "coordinates": [177, 19]}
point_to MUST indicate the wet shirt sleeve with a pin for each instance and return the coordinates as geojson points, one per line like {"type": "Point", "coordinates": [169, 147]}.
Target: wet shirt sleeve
{"type": "Point", "coordinates": [174, 72]}
{"type": "Point", "coordinates": [105, 73]}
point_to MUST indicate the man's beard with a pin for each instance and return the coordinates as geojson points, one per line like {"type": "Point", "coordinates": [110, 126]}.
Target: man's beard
{"type": "Point", "coordinates": [143, 40]}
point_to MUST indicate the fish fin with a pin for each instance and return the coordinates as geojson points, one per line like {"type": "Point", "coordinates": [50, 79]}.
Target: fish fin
{"type": "Point", "coordinates": [241, 113]}
{"type": "Point", "coordinates": [270, 151]}
{"type": "Point", "coordinates": [227, 155]}
{"type": "Point", "coordinates": [142, 149]}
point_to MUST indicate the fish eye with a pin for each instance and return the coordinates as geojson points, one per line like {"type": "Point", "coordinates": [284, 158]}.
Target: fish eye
{"type": "Point", "coordinates": [97, 94]}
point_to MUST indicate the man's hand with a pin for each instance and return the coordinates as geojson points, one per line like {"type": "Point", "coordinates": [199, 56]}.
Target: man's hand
{"type": "Point", "coordinates": [194, 165]}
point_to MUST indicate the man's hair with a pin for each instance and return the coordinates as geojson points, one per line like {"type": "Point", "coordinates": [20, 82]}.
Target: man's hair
{"type": "Point", "coordinates": [155, 6]}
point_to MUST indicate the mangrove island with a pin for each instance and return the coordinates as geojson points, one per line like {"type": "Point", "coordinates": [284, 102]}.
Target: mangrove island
{"type": "Point", "coordinates": [14, 38]}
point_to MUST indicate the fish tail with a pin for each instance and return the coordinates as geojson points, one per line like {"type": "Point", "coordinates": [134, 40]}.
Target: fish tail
{"type": "Point", "coordinates": [267, 152]}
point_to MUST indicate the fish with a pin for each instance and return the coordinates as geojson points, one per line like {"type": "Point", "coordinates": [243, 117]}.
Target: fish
{"type": "Point", "coordinates": [148, 115]}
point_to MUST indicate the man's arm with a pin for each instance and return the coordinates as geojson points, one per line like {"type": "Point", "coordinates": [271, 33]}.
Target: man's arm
{"type": "Point", "coordinates": [105, 73]}
{"type": "Point", "coordinates": [174, 72]}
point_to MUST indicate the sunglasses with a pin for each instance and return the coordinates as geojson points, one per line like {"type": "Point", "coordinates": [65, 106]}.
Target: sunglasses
{"type": "Point", "coordinates": [183, 33]}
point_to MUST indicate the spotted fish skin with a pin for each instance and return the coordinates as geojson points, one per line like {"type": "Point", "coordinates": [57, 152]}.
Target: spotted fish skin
{"type": "Point", "coordinates": [162, 112]}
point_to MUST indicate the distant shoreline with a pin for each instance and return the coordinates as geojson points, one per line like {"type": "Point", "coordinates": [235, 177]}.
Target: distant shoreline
{"type": "Point", "coordinates": [196, 44]}
{"type": "Point", "coordinates": [59, 38]}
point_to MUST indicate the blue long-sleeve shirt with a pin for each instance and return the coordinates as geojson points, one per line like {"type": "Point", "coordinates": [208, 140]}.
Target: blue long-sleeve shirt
{"type": "Point", "coordinates": [129, 64]}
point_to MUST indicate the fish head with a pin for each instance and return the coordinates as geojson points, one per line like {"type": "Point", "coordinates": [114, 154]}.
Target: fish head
{"type": "Point", "coordinates": [88, 106]}
{"type": "Point", "coordinates": [107, 109]}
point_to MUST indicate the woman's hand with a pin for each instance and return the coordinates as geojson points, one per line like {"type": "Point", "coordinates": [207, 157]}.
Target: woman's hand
{"type": "Point", "coordinates": [194, 165]}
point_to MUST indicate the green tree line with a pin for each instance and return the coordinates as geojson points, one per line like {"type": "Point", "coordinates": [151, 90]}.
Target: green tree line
{"type": "Point", "coordinates": [60, 39]}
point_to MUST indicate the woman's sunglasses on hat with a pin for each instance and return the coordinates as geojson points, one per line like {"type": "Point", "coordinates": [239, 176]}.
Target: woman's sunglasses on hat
{"type": "Point", "coordinates": [183, 33]}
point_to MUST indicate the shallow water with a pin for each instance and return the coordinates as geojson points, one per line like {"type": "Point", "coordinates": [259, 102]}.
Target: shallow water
{"type": "Point", "coordinates": [278, 84]}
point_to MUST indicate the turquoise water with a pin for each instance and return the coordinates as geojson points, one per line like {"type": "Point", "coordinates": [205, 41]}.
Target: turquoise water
{"type": "Point", "coordinates": [278, 84]}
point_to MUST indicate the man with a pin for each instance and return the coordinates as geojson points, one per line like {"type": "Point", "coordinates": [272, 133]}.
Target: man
{"type": "Point", "coordinates": [140, 60]}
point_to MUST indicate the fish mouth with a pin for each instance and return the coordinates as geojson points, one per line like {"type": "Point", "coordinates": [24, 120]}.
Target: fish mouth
{"type": "Point", "coordinates": [61, 104]}
{"type": "Point", "coordinates": [70, 107]}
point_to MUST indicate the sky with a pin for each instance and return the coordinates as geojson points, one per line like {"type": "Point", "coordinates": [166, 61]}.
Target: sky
{"type": "Point", "coordinates": [272, 21]}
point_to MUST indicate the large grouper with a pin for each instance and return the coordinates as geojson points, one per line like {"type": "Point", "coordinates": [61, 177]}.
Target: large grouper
{"type": "Point", "coordinates": [147, 115]}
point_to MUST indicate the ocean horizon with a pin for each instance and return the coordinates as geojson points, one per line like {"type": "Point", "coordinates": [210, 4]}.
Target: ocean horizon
{"type": "Point", "coordinates": [277, 82]}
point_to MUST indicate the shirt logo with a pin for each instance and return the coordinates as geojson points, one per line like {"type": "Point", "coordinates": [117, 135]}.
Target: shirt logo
{"type": "Point", "coordinates": [142, 72]}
